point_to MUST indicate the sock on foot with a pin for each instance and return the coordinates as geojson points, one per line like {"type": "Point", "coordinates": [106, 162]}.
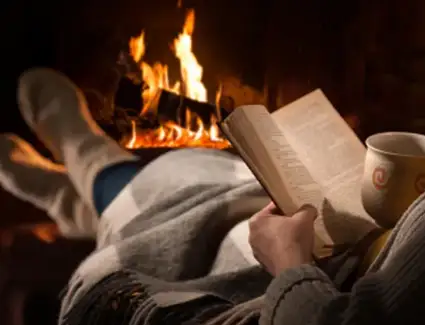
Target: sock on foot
{"type": "Point", "coordinates": [35, 179]}
{"type": "Point", "coordinates": [56, 109]}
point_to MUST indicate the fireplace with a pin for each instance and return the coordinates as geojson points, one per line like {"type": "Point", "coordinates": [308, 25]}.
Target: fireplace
{"type": "Point", "coordinates": [368, 58]}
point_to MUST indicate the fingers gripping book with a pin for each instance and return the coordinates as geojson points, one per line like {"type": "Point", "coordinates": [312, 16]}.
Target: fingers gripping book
{"type": "Point", "coordinates": [305, 153]}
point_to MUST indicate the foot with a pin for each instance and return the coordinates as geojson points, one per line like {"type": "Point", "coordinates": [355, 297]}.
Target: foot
{"type": "Point", "coordinates": [32, 178]}
{"type": "Point", "coordinates": [52, 105]}
{"type": "Point", "coordinates": [22, 167]}
{"type": "Point", "coordinates": [56, 109]}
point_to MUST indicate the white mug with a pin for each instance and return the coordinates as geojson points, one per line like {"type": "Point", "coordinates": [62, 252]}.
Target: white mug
{"type": "Point", "coordinates": [394, 175]}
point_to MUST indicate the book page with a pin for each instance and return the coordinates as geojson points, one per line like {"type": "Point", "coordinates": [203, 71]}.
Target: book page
{"type": "Point", "coordinates": [334, 156]}
{"type": "Point", "coordinates": [263, 144]}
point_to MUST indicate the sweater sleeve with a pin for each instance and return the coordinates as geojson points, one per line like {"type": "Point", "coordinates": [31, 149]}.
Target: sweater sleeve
{"type": "Point", "coordinates": [392, 295]}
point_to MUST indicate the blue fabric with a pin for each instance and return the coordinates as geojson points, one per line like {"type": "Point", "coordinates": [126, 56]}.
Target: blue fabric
{"type": "Point", "coordinates": [110, 182]}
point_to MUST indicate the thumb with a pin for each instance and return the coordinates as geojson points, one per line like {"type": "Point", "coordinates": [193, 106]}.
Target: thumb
{"type": "Point", "coordinates": [270, 208]}
{"type": "Point", "coordinates": [306, 214]}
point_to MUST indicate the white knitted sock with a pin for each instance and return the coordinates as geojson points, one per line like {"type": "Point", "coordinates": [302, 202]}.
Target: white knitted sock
{"type": "Point", "coordinates": [56, 109]}
{"type": "Point", "coordinates": [35, 179]}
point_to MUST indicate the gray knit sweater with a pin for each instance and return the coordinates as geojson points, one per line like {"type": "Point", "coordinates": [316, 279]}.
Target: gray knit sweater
{"type": "Point", "coordinates": [164, 244]}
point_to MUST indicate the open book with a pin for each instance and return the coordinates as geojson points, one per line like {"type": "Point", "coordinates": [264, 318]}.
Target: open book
{"type": "Point", "coordinates": [304, 153]}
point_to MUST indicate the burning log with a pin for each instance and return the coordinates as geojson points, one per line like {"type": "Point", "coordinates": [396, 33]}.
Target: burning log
{"type": "Point", "coordinates": [172, 104]}
{"type": "Point", "coordinates": [167, 105]}
{"type": "Point", "coordinates": [169, 120]}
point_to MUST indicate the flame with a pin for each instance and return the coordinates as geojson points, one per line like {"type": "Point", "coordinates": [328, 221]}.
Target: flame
{"type": "Point", "coordinates": [191, 71]}
{"type": "Point", "coordinates": [137, 47]}
{"type": "Point", "coordinates": [173, 135]}
{"type": "Point", "coordinates": [46, 232]}
{"type": "Point", "coordinates": [193, 133]}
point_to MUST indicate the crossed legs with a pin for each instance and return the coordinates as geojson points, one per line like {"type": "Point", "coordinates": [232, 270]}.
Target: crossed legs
{"type": "Point", "coordinates": [93, 169]}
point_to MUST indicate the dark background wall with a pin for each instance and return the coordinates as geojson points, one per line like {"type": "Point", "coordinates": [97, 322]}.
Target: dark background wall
{"type": "Point", "coordinates": [368, 56]}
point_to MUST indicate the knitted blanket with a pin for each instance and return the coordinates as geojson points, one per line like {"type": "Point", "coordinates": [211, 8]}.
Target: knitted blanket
{"type": "Point", "coordinates": [169, 226]}
{"type": "Point", "coordinates": [164, 253]}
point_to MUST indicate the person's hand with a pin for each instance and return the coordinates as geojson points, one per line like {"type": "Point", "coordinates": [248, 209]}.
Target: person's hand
{"type": "Point", "coordinates": [280, 242]}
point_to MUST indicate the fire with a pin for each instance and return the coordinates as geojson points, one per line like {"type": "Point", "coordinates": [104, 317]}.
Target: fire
{"type": "Point", "coordinates": [46, 232]}
{"type": "Point", "coordinates": [192, 132]}
{"type": "Point", "coordinates": [191, 71]}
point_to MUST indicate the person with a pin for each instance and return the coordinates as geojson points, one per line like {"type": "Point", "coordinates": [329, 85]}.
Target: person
{"type": "Point", "coordinates": [164, 254]}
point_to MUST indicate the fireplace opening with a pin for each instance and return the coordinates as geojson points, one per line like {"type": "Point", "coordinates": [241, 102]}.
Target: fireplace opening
{"type": "Point", "coordinates": [167, 113]}
{"type": "Point", "coordinates": [366, 57]}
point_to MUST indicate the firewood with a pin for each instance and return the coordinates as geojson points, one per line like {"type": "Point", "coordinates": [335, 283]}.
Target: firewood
{"type": "Point", "coordinates": [169, 106]}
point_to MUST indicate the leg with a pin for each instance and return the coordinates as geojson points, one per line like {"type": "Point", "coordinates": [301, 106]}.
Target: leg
{"type": "Point", "coordinates": [35, 179]}
{"type": "Point", "coordinates": [57, 111]}
{"type": "Point", "coordinates": [110, 181]}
